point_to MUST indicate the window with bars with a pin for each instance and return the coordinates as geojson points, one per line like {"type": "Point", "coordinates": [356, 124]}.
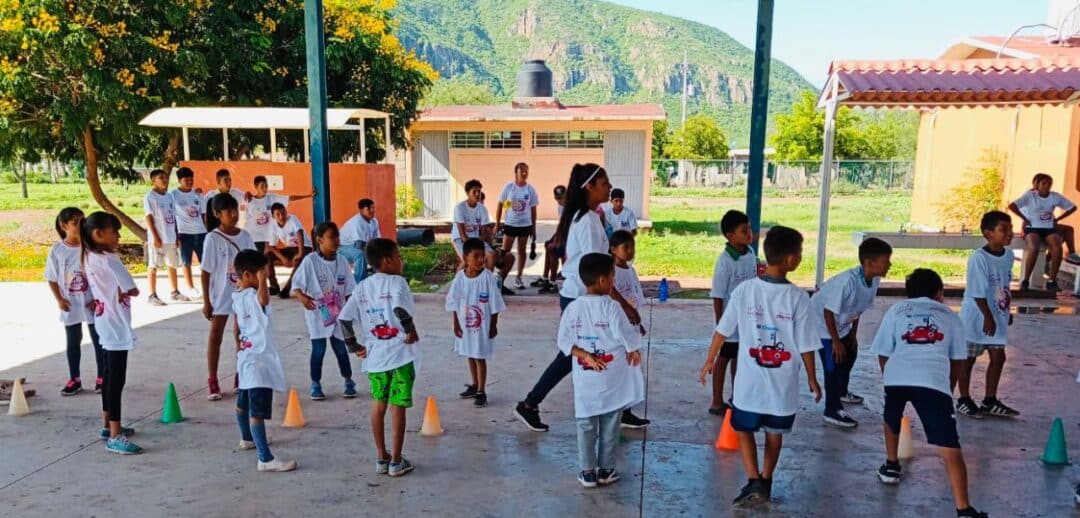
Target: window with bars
{"type": "Point", "coordinates": [568, 139]}
{"type": "Point", "coordinates": [485, 139]}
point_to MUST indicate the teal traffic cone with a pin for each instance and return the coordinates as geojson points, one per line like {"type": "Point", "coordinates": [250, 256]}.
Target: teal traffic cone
{"type": "Point", "coordinates": [170, 412]}
{"type": "Point", "coordinates": [1055, 453]}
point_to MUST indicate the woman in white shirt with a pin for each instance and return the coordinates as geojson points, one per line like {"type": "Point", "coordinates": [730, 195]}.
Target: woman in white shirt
{"type": "Point", "coordinates": [519, 198]}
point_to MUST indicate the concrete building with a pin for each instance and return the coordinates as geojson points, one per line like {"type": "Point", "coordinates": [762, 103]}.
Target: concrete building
{"type": "Point", "coordinates": [452, 144]}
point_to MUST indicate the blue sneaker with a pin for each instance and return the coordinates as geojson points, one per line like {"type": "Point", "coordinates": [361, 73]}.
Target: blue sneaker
{"type": "Point", "coordinates": [316, 391]}
{"type": "Point", "coordinates": [124, 431]}
{"type": "Point", "coordinates": [122, 446]}
{"type": "Point", "coordinates": [350, 389]}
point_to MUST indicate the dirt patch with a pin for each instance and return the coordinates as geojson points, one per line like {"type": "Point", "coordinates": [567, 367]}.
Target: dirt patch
{"type": "Point", "coordinates": [28, 225]}
{"type": "Point", "coordinates": [442, 271]}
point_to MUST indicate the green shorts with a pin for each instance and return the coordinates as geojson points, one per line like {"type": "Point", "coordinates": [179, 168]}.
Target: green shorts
{"type": "Point", "coordinates": [393, 386]}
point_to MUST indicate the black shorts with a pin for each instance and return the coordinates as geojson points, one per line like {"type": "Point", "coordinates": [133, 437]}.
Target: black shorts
{"type": "Point", "coordinates": [289, 253]}
{"type": "Point", "coordinates": [260, 246]}
{"type": "Point", "coordinates": [935, 411]}
{"type": "Point", "coordinates": [509, 231]}
{"type": "Point", "coordinates": [1042, 232]}
{"type": "Point", "coordinates": [743, 421]}
{"type": "Point", "coordinates": [256, 402]}
{"type": "Point", "coordinates": [730, 350]}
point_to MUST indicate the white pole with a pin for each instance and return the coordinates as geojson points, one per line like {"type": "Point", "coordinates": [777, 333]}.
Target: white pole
{"type": "Point", "coordinates": [225, 143]}
{"type": "Point", "coordinates": [826, 182]}
{"type": "Point", "coordinates": [187, 146]}
{"type": "Point", "coordinates": [306, 151]}
{"type": "Point", "coordinates": [273, 144]}
{"type": "Point", "coordinates": [363, 141]}
{"type": "Point", "coordinates": [386, 139]}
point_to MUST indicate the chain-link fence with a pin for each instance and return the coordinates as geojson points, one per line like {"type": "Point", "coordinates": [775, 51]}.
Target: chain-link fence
{"type": "Point", "coordinates": [795, 175]}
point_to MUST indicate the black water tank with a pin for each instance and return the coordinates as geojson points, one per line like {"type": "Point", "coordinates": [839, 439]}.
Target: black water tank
{"type": "Point", "coordinates": [534, 79]}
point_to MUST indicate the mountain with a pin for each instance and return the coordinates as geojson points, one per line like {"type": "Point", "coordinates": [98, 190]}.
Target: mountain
{"type": "Point", "coordinates": [599, 53]}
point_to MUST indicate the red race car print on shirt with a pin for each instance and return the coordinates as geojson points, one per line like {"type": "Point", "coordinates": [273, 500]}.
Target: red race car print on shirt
{"type": "Point", "coordinates": [599, 354]}
{"type": "Point", "coordinates": [384, 331]}
{"type": "Point", "coordinates": [927, 333]}
{"type": "Point", "coordinates": [770, 356]}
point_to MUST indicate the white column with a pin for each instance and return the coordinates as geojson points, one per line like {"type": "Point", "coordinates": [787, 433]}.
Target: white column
{"type": "Point", "coordinates": [826, 183]}
{"type": "Point", "coordinates": [273, 144]}
{"type": "Point", "coordinates": [306, 152]}
{"type": "Point", "coordinates": [187, 145]}
{"type": "Point", "coordinates": [363, 141]}
{"type": "Point", "coordinates": [386, 139]}
{"type": "Point", "coordinates": [225, 143]}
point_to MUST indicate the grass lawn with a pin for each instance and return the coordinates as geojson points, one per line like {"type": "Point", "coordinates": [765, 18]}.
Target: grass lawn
{"type": "Point", "coordinates": [686, 240]}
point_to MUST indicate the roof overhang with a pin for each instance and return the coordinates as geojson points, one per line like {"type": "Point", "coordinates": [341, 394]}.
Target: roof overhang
{"type": "Point", "coordinates": [507, 113]}
{"type": "Point", "coordinates": [255, 118]}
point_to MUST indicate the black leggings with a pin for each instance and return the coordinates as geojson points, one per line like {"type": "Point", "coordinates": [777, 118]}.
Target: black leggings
{"type": "Point", "coordinates": [554, 373]}
{"type": "Point", "coordinates": [74, 349]}
{"type": "Point", "coordinates": [113, 385]}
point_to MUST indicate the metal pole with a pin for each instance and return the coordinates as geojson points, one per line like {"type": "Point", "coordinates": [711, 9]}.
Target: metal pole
{"type": "Point", "coordinates": [386, 140]}
{"type": "Point", "coordinates": [758, 115]}
{"type": "Point", "coordinates": [187, 145]}
{"type": "Point", "coordinates": [363, 141]}
{"type": "Point", "coordinates": [273, 143]}
{"type": "Point", "coordinates": [225, 143]}
{"type": "Point", "coordinates": [826, 182]}
{"type": "Point", "coordinates": [320, 138]}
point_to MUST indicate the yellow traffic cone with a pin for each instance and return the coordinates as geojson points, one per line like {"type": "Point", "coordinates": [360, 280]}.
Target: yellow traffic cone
{"type": "Point", "coordinates": [905, 450]}
{"type": "Point", "coordinates": [18, 406]}
{"type": "Point", "coordinates": [294, 417]}
{"type": "Point", "coordinates": [431, 425]}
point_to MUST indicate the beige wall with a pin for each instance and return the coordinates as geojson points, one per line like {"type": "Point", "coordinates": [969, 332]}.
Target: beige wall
{"type": "Point", "coordinates": [547, 167]}
{"type": "Point", "coordinates": [1034, 138]}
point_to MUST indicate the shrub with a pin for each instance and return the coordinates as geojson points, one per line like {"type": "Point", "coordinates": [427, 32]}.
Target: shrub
{"type": "Point", "coordinates": [980, 193]}
{"type": "Point", "coordinates": [408, 205]}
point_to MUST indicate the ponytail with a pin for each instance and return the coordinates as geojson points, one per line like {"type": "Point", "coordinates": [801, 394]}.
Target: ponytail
{"type": "Point", "coordinates": [95, 221]}
{"type": "Point", "coordinates": [66, 214]}
{"type": "Point", "coordinates": [577, 198]}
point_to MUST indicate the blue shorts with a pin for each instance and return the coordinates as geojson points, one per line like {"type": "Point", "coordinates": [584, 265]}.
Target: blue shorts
{"type": "Point", "coordinates": [191, 244]}
{"type": "Point", "coordinates": [256, 402]}
{"type": "Point", "coordinates": [935, 411]}
{"type": "Point", "coordinates": [743, 421]}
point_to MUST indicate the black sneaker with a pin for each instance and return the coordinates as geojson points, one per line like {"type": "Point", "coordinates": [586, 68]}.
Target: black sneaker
{"type": "Point", "coordinates": [967, 407]}
{"type": "Point", "coordinates": [587, 479]}
{"type": "Point", "coordinates": [993, 407]}
{"type": "Point", "coordinates": [480, 400]}
{"type": "Point", "coordinates": [841, 419]}
{"type": "Point", "coordinates": [531, 417]}
{"type": "Point", "coordinates": [606, 477]}
{"type": "Point", "coordinates": [1052, 286]}
{"type": "Point", "coordinates": [538, 282]}
{"type": "Point", "coordinates": [549, 288]}
{"type": "Point", "coordinates": [71, 388]}
{"type": "Point", "coordinates": [751, 494]}
{"type": "Point", "coordinates": [890, 472]}
{"type": "Point", "coordinates": [851, 399]}
{"type": "Point", "coordinates": [470, 392]}
{"type": "Point", "coordinates": [629, 420]}
{"type": "Point", "coordinates": [766, 488]}
{"type": "Point", "coordinates": [274, 291]}
{"type": "Point", "coordinates": [1024, 285]}
{"type": "Point", "coordinates": [508, 292]}
{"type": "Point", "coordinates": [970, 512]}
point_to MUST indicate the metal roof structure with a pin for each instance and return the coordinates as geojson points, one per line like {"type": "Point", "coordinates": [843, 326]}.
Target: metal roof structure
{"type": "Point", "coordinates": [556, 112]}
{"type": "Point", "coordinates": [213, 117]}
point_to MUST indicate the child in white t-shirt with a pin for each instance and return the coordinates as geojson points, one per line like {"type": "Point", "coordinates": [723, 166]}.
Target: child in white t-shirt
{"type": "Point", "coordinates": [921, 348]}
{"type": "Point", "coordinates": [289, 244]}
{"type": "Point", "coordinates": [258, 364]}
{"type": "Point", "coordinates": [736, 264]}
{"type": "Point", "coordinates": [623, 249]}
{"type": "Point", "coordinates": [475, 303]}
{"type": "Point", "coordinates": [355, 234]}
{"type": "Point", "coordinates": [258, 215]}
{"type": "Point", "coordinates": [470, 217]}
{"type": "Point", "coordinates": [776, 327]}
{"type": "Point", "coordinates": [322, 283]}
{"type": "Point", "coordinates": [606, 364]}
{"type": "Point", "coordinates": [67, 281]}
{"type": "Point", "coordinates": [1036, 208]}
{"type": "Point", "coordinates": [838, 304]}
{"type": "Point", "coordinates": [163, 241]}
{"type": "Point", "coordinates": [190, 212]}
{"type": "Point", "coordinates": [219, 281]}
{"type": "Point", "coordinates": [381, 309]}
{"type": "Point", "coordinates": [223, 178]}
{"type": "Point", "coordinates": [554, 252]}
{"type": "Point", "coordinates": [617, 216]}
{"type": "Point", "coordinates": [986, 316]}
{"type": "Point", "coordinates": [113, 289]}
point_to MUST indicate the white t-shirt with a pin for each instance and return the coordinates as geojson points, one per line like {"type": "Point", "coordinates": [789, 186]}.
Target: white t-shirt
{"type": "Point", "coordinates": [847, 296]}
{"type": "Point", "coordinates": [628, 285]}
{"type": "Point", "coordinates": [110, 282]}
{"type": "Point", "coordinates": [290, 233]}
{"type": "Point", "coordinates": [257, 361]}
{"type": "Point", "coordinates": [988, 277]}
{"type": "Point", "coordinates": [518, 201]}
{"type": "Point", "coordinates": [775, 325]}
{"type": "Point", "coordinates": [64, 267]}
{"type": "Point", "coordinates": [473, 217]}
{"type": "Point", "coordinates": [189, 209]}
{"type": "Point", "coordinates": [625, 220]}
{"type": "Point", "coordinates": [729, 272]}
{"type": "Point", "coordinates": [161, 207]}
{"type": "Point", "coordinates": [475, 301]}
{"type": "Point", "coordinates": [1039, 211]}
{"type": "Point", "coordinates": [219, 253]}
{"type": "Point", "coordinates": [329, 282]}
{"type": "Point", "coordinates": [258, 219]}
{"type": "Point", "coordinates": [371, 310]}
{"type": "Point", "coordinates": [359, 229]}
{"type": "Point", "coordinates": [597, 324]}
{"type": "Point", "coordinates": [920, 336]}
{"type": "Point", "coordinates": [237, 194]}
{"type": "Point", "coordinates": [586, 236]}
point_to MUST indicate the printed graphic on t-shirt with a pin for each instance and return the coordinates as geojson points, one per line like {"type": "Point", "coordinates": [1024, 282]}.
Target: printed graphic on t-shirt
{"type": "Point", "coordinates": [99, 307]}
{"type": "Point", "coordinates": [380, 325]}
{"type": "Point", "coordinates": [192, 211]}
{"type": "Point", "coordinates": [1002, 296]}
{"type": "Point", "coordinates": [245, 343]}
{"type": "Point", "coordinates": [77, 282]}
{"type": "Point", "coordinates": [263, 218]}
{"type": "Point", "coordinates": [589, 342]}
{"type": "Point", "coordinates": [521, 205]}
{"type": "Point", "coordinates": [473, 227]}
{"type": "Point", "coordinates": [921, 331]}
{"type": "Point", "coordinates": [770, 355]}
{"type": "Point", "coordinates": [474, 318]}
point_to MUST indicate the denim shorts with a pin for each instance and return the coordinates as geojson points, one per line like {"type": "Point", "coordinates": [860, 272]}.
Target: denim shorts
{"type": "Point", "coordinates": [191, 244]}
{"type": "Point", "coordinates": [256, 402]}
{"type": "Point", "coordinates": [935, 411]}
{"type": "Point", "coordinates": [743, 421]}
{"type": "Point", "coordinates": [975, 350]}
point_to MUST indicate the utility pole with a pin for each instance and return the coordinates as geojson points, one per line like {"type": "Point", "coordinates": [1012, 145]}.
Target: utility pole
{"type": "Point", "coordinates": [758, 115]}
{"type": "Point", "coordinates": [315, 43]}
{"type": "Point", "coordinates": [685, 72]}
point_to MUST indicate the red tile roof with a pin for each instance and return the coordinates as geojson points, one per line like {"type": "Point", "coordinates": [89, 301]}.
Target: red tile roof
{"type": "Point", "coordinates": [1034, 46]}
{"type": "Point", "coordinates": [505, 112]}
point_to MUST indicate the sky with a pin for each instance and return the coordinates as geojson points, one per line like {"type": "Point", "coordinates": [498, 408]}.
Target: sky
{"type": "Point", "coordinates": [808, 34]}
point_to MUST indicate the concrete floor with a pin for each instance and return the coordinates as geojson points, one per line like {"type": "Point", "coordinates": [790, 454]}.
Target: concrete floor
{"type": "Point", "coordinates": [487, 464]}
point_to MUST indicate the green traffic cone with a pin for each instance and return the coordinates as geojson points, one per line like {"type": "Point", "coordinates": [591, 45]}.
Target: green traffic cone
{"type": "Point", "coordinates": [1055, 453]}
{"type": "Point", "coordinates": [170, 412]}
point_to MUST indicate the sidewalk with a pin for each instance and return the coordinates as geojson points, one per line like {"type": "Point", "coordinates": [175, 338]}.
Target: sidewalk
{"type": "Point", "coordinates": [487, 464]}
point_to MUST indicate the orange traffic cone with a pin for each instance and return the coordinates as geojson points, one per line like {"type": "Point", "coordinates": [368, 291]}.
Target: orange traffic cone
{"type": "Point", "coordinates": [728, 439]}
{"type": "Point", "coordinates": [905, 449]}
{"type": "Point", "coordinates": [431, 425]}
{"type": "Point", "coordinates": [294, 417]}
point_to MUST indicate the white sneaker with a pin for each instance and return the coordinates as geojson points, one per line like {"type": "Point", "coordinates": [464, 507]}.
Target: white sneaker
{"type": "Point", "coordinates": [277, 465]}
{"type": "Point", "coordinates": [250, 445]}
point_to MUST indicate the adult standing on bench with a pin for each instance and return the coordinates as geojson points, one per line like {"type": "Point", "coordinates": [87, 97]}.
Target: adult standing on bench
{"type": "Point", "coordinates": [1036, 207]}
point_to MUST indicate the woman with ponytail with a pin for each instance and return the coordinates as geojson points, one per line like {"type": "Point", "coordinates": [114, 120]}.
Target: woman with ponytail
{"type": "Point", "coordinates": [583, 233]}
